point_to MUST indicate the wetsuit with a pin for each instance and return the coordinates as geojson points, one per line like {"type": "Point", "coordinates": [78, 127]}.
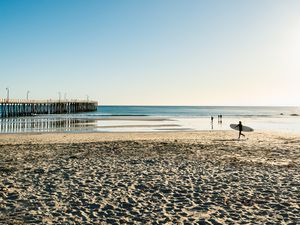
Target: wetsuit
{"type": "Point", "coordinates": [240, 126]}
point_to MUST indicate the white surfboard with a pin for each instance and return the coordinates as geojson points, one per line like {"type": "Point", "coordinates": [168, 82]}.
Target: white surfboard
{"type": "Point", "coordinates": [244, 128]}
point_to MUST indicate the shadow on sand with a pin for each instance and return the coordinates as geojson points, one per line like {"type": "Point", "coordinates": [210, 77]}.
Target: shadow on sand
{"type": "Point", "coordinates": [232, 139]}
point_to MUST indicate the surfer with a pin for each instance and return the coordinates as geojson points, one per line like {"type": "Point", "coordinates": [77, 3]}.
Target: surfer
{"type": "Point", "coordinates": [240, 126]}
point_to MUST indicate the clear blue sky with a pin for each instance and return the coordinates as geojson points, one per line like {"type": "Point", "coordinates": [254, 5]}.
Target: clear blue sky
{"type": "Point", "coordinates": [154, 52]}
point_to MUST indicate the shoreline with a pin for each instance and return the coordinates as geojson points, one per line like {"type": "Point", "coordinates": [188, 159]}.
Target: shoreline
{"type": "Point", "coordinates": [151, 124]}
{"type": "Point", "coordinates": [87, 123]}
{"type": "Point", "coordinates": [133, 135]}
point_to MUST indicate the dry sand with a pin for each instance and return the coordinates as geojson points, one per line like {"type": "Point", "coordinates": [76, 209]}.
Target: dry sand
{"type": "Point", "coordinates": [155, 178]}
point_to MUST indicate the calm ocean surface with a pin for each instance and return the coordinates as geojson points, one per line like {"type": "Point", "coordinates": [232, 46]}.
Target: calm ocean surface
{"type": "Point", "coordinates": [193, 111]}
{"type": "Point", "coordinates": [158, 118]}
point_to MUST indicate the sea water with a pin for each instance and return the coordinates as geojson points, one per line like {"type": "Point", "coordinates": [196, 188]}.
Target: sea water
{"type": "Point", "coordinates": [158, 118]}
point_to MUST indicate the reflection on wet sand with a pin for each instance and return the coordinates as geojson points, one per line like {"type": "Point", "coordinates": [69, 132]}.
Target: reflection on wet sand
{"type": "Point", "coordinates": [75, 124]}
{"type": "Point", "coordinates": [140, 125]}
{"type": "Point", "coordinates": [29, 124]}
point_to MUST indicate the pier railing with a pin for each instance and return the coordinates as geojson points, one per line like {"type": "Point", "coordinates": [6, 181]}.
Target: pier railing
{"type": "Point", "coordinates": [22, 107]}
{"type": "Point", "coordinates": [3, 100]}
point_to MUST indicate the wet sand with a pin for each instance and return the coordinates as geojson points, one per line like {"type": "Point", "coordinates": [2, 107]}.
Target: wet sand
{"type": "Point", "coordinates": [169, 177]}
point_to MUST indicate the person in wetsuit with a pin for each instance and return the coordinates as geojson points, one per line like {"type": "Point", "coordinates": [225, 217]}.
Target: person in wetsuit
{"type": "Point", "coordinates": [240, 126]}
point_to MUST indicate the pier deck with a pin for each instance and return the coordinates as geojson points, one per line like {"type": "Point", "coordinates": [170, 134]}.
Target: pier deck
{"type": "Point", "coordinates": [20, 107]}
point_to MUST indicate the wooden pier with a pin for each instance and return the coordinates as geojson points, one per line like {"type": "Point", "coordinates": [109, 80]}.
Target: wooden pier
{"type": "Point", "coordinates": [18, 107]}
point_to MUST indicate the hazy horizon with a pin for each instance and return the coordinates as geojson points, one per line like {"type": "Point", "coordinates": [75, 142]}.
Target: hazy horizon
{"type": "Point", "coordinates": [161, 52]}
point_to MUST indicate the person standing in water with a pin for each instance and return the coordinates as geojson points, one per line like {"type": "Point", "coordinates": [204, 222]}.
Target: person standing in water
{"type": "Point", "coordinates": [240, 126]}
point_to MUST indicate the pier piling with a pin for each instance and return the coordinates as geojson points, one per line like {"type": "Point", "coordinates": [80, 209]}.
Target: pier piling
{"type": "Point", "coordinates": [18, 107]}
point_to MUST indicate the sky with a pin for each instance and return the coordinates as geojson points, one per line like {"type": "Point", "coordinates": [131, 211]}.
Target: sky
{"type": "Point", "coordinates": [152, 52]}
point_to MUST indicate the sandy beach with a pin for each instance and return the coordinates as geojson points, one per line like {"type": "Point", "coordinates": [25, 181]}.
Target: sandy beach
{"type": "Point", "coordinates": [150, 178]}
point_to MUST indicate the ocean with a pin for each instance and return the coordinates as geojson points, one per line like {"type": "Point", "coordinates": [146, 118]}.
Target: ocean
{"type": "Point", "coordinates": [194, 111]}
{"type": "Point", "coordinates": [158, 118]}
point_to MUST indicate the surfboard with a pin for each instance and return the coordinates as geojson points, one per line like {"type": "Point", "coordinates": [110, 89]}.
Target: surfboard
{"type": "Point", "coordinates": [244, 128]}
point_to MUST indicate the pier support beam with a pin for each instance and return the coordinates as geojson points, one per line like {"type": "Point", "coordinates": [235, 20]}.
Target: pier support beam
{"type": "Point", "coordinates": [16, 108]}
